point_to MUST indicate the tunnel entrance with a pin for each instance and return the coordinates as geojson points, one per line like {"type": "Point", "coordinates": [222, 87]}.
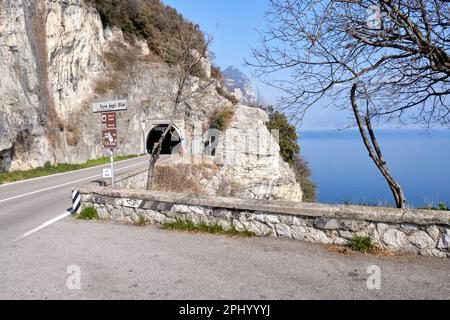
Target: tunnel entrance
{"type": "Point", "coordinates": [171, 143]}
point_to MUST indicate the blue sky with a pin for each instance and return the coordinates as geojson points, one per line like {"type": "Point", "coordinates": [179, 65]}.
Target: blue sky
{"type": "Point", "coordinates": [233, 24]}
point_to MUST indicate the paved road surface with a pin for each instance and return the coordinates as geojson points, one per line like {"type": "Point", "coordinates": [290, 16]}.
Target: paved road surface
{"type": "Point", "coordinates": [118, 261]}
{"type": "Point", "coordinates": [27, 204]}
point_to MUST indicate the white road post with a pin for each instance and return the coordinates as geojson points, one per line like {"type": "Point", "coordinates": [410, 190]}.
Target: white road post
{"type": "Point", "coordinates": [112, 168]}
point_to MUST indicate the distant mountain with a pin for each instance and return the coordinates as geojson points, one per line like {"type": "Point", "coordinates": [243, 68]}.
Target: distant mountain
{"type": "Point", "coordinates": [239, 84]}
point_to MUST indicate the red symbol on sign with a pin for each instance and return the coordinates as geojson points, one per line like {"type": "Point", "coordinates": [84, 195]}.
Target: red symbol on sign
{"type": "Point", "coordinates": [109, 130]}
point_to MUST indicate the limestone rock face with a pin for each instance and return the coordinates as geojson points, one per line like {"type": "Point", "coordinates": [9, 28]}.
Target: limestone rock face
{"type": "Point", "coordinates": [55, 61]}
{"type": "Point", "coordinates": [21, 113]}
{"type": "Point", "coordinates": [251, 159]}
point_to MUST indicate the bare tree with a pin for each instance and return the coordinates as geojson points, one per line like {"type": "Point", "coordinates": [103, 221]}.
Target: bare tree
{"type": "Point", "coordinates": [186, 54]}
{"type": "Point", "coordinates": [371, 144]}
{"type": "Point", "coordinates": [394, 54]}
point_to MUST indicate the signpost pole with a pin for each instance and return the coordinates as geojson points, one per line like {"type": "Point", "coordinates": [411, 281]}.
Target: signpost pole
{"type": "Point", "coordinates": [112, 167]}
{"type": "Point", "coordinates": [109, 112]}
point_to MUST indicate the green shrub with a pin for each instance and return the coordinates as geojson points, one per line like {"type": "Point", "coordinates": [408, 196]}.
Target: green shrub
{"type": "Point", "coordinates": [441, 207]}
{"type": "Point", "coordinates": [88, 213]}
{"type": "Point", "coordinates": [362, 244]}
{"type": "Point", "coordinates": [223, 118]}
{"type": "Point", "coordinates": [142, 221]}
{"type": "Point", "coordinates": [290, 152]}
{"type": "Point", "coordinates": [289, 147]}
{"type": "Point", "coordinates": [303, 174]}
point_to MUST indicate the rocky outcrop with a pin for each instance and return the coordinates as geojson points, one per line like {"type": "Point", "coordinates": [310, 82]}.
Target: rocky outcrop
{"type": "Point", "coordinates": [57, 58]}
{"type": "Point", "coordinates": [252, 165]}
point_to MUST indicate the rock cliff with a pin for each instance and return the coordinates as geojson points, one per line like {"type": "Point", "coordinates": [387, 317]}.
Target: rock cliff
{"type": "Point", "coordinates": [57, 57]}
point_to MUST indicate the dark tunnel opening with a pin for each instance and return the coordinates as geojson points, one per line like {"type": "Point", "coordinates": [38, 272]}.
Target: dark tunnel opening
{"type": "Point", "coordinates": [172, 140]}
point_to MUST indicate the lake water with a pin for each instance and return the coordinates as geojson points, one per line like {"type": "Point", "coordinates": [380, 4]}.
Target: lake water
{"type": "Point", "coordinates": [344, 172]}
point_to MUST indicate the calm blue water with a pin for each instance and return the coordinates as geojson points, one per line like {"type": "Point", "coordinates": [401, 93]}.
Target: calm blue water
{"type": "Point", "coordinates": [344, 172]}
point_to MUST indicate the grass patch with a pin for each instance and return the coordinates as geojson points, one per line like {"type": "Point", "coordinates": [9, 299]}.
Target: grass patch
{"type": "Point", "coordinates": [88, 213]}
{"type": "Point", "coordinates": [48, 169]}
{"type": "Point", "coordinates": [142, 221]}
{"type": "Point", "coordinates": [181, 225]}
{"type": "Point", "coordinates": [362, 244]}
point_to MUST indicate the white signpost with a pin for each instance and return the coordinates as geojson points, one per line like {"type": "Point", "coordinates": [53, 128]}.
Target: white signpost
{"type": "Point", "coordinates": [108, 110]}
{"type": "Point", "coordinates": [110, 106]}
{"type": "Point", "coordinates": [107, 174]}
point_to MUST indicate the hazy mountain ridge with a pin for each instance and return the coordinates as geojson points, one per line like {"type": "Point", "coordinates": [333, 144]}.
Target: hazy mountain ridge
{"type": "Point", "coordinates": [239, 84]}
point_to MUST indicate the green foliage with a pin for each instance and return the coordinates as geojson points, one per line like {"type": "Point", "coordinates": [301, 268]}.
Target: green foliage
{"type": "Point", "coordinates": [290, 152]}
{"type": "Point", "coordinates": [48, 169]}
{"type": "Point", "coordinates": [88, 213]}
{"type": "Point", "coordinates": [223, 118]}
{"type": "Point", "coordinates": [142, 221]}
{"type": "Point", "coordinates": [303, 174]}
{"type": "Point", "coordinates": [182, 225]}
{"type": "Point", "coordinates": [441, 207]}
{"type": "Point", "coordinates": [151, 20]}
{"type": "Point", "coordinates": [362, 244]}
{"type": "Point", "coordinates": [288, 136]}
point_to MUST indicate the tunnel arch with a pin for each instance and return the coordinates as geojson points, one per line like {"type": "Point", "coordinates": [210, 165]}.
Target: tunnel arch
{"type": "Point", "coordinates": [173, 141]}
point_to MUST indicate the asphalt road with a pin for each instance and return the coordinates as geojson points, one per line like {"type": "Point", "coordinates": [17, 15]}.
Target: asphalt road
{"type": "Point", "coordinates": [125, 262]}
{"type": "Point", "coordinates": [26, 205]}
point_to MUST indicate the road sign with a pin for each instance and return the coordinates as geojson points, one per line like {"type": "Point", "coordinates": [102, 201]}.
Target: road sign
{"type": "Point", "coordinates": [107, 174]}
{"type": "Point", "coordinates": [109, 130]}
{"type": "Point", "coordinates": [110, 106]}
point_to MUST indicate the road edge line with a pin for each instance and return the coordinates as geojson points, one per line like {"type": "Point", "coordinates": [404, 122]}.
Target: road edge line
{"type": "Point", "coordinates": [44, 225]}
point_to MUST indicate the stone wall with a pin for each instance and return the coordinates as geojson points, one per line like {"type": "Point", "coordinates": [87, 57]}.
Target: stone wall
{"type": "Point", "coordinates": [136, 179]}
{"type": "Point", "coordinates": [413, 231]}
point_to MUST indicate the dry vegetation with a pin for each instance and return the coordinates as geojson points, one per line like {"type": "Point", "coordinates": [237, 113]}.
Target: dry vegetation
{"type": "Point", "coordinates": [222, 118]}
{"type": "Point", "coordinates": [180, 179]}
{"type": "Point", "coordinates": [103, 86]}
{"type": "Point", "coordinates": [149, 20]}
{"type": "Point", "coordinates": [227, 95]}
{"type": "Point", "coordinates": [73, 136]}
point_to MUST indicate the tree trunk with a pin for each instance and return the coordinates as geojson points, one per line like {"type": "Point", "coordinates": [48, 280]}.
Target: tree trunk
{"type": "Point", "coordinates": [156, 152]}
{"type": "Point", "coordinates": [374, 149]}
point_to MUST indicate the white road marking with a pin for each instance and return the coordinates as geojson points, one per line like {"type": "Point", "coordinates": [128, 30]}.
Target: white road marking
{"type": "Point", "coordinates": [44, 225]}
{"type": "Point", "coordinates": [64, 184]}
{"type": "Point", "coordinates": [64, 173]}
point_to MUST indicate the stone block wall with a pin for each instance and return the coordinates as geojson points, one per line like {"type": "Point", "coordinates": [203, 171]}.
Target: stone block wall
{"type": "Point", "coordinates": [136, 179]}
{"type": "Point", "coordinates": [413, 231]}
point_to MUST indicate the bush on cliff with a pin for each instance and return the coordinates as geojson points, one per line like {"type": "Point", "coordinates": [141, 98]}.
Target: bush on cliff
{"type": "Point", "coordinates": [151, 20]}
{"type": "Point", "coordinates": [290, 152]}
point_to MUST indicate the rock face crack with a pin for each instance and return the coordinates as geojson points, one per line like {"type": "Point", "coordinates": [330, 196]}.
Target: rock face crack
{"type": "Point", "coordinates": [35, 24]}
